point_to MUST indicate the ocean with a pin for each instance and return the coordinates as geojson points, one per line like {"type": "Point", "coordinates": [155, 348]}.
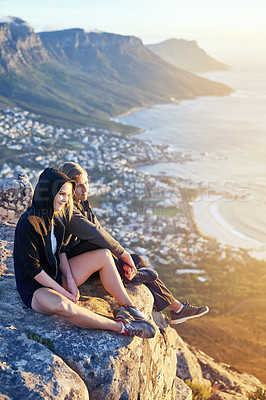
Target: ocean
{"type": "Point", "coordinates": [223, 140]}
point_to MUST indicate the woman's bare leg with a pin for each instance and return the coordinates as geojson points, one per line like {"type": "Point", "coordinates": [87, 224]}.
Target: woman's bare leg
{"type": "Point", "coordinates": [84, 265]}
{"type": "Point", "coordinates": [48, 301]}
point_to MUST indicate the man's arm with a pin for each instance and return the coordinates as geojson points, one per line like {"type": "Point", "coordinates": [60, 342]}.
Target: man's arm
{"type": "Point", "coordinates": [84, 229]}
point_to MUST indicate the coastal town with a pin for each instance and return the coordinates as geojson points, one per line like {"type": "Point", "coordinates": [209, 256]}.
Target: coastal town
{"type": "Point", "coordinates": [148, 215]}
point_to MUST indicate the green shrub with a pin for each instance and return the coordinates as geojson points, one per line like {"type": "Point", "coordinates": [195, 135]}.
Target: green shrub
{"type": "Point", "coordinates": [199, 391]}
{"type": "Point", "coordinates": [44, 341]}
{"type": "Point", "coordinates": [259, 394]}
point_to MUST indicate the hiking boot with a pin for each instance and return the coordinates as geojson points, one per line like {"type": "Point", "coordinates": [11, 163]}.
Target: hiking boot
{"type": "Point", "coordinates": [130, 312]}
{"type": "Point", "coordinates": [144, 275]}
{"type": "Point", "coordinates": [133, 312]}
{"type": "Point", "coordinates": [138, 328]}
{"type": "Point", "coordinates": [187, 312]}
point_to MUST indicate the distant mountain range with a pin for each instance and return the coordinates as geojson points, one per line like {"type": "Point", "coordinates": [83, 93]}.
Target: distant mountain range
{"type": "Point", "coordinates": [186, 54]}
{"type": "Point", "coordinates": [75, 78]}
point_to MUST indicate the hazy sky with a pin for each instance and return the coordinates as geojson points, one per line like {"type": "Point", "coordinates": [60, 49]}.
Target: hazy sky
{"type": "Point", "coordinates": [226, 29]}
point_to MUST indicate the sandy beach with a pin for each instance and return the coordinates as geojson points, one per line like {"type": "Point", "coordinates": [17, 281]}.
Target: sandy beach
{"type": "Point", "coordinates": [212, 224]}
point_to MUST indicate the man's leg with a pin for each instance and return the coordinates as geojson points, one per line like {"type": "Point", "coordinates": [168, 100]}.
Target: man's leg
{"type": "Point", "coordinates": [162, 296]}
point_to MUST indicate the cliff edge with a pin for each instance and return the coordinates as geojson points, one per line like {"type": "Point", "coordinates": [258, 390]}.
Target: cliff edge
{"type": "Point", "coordinates": [44, 357]}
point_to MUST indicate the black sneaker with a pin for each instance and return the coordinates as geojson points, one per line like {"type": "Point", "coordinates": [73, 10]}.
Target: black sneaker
{"type": "Point", "coordinates": [138, 328]}
{"type": "Point", "coordinates": [130, 312]}
{"type": "Point", "coordinates": [187, 312]}
{"type": "Point", "coordinates": [144, 275]}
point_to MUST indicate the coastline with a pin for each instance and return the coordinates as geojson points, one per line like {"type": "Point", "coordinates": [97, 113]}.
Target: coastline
{"type": "Point", "coordinates": [128, 112]}
{"type": "Point", "coordinates": [211, 223]}
{"type": "Point", "coordinates": [215, 222]}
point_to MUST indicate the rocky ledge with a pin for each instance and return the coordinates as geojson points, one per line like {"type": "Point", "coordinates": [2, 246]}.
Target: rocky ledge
{"type": "Point", "coordinates": [43, 357]}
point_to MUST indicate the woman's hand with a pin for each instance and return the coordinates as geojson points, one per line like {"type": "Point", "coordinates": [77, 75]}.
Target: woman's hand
{"type": "Point", "coordinates": [68, 295]}
{"type": "Point", "coordinates": [45, 280]}
{"type": "Point", "coordinates": [72, 288]}
{"type": "Point", "coordinates": [68, 281]}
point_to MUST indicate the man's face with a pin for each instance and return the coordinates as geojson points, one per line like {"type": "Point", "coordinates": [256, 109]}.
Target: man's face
{"type": "Point", "coordinates": [82, 188]}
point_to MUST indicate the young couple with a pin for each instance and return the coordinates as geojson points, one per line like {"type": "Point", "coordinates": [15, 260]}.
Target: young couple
{"type": "Point", "coordinates": [48, 273]}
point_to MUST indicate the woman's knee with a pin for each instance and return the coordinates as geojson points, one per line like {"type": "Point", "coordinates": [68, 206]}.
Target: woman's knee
{"type": "Point", "coordinates": [64, 307]}
{"type": "Point", "coordinates": [50, 302]}
{"type": "Point", "coordinates": [105, 254]}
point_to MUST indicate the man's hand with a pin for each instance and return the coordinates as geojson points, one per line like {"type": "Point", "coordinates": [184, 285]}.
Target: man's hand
{"type": "Point", "coordinates": [126, 257]}
{"type": "Point", "coordinates": [129, 267]}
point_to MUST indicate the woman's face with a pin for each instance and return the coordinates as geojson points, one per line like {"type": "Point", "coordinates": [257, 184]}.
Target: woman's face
{"type": "Point", "coordinates": [82, 188]}
{"type": "Point", "coordinates": [62, 196]}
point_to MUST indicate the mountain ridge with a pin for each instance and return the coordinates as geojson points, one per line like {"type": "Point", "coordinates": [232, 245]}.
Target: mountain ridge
{"type": "Point", "coordinates": [186, 54]}
{"type": "Point", "coordinates": [72, 76]}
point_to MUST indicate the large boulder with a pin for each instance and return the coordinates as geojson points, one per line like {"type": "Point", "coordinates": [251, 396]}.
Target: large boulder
{"type": "Point", "coordinates": [111, 366]}
{"type": "Point", "coordinates": [15, 197]}
{"type": "Point", "coordinates": [31, 371]}
{"type": "Point", "coordinates": [188, 367]}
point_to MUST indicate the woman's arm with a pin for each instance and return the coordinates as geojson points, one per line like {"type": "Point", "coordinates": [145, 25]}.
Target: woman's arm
{"type": "Point", "coordinates": [67, 273]}
{"type": "Point", "coordinates": [45, 280]}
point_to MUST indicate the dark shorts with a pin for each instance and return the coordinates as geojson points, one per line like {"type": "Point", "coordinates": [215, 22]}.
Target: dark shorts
{"type": "Point", "coordinates": [27, 298]}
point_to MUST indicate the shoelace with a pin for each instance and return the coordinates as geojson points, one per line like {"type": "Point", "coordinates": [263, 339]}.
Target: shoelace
{"type": "Point", "coordinates": [132, 332]}
{"type": "Point", "coordinates": [186, 303]}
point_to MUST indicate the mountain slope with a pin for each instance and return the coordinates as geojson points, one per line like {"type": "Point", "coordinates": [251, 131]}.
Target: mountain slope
{"type": "Point", "coordinates": [74, 77]}
{"type": "Point", "coordinates": [186, 54]}
{"type": "Point", "coordinates": [237, 339]}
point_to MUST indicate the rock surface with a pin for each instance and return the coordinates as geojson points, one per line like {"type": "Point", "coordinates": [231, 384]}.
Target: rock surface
{"type": "Point", "coordinates": [43, 376]}
{"type": "Point", "coordinates": [188, 366]}
{"type": "Point", "coordinates": [225, 377]}
{"type": "Point", "coordinates": [43, 357]}
{"type": "Point", "coordinates": [15, 197]}
{"type": "Point", "coordinates": [110, 365]}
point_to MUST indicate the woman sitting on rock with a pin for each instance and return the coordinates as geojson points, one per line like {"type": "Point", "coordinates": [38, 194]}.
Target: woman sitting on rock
{"type": "Point", "coordinates": [47, 282]}
{"type": "Point", "coordinates": [88, 234]}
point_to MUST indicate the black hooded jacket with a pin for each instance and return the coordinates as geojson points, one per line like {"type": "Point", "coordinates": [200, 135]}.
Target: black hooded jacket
{"type": "Point", "coordinates": [32, 243]}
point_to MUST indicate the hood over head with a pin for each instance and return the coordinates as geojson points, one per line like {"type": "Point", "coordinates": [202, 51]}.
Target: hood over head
{"type": "Point", "coordinates": [50, 182]}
